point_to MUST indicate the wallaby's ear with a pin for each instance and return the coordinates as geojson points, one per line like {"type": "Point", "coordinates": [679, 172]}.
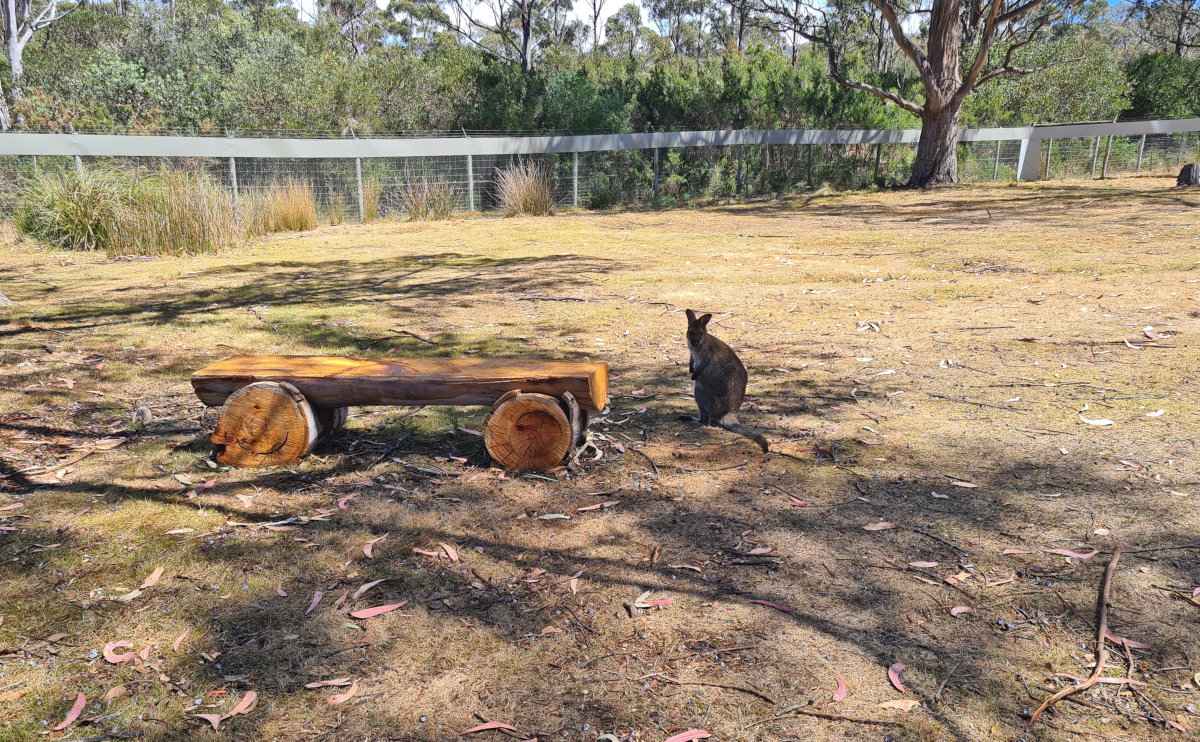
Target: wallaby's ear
{"type": "Point", "coordinates": [704, 320]}
{"type": "Point", "coordinates": [690, 315]}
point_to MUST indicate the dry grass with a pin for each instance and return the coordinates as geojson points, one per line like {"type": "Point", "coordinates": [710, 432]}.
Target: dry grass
{"type": "Point", "coordinates": [427, 199]}
{"type": "Point", "coordinates": [1003, 315]}
{"type": "Point", "coordinates": [286, 206]}
{"type": "Point", "coordinates": [526, 188]}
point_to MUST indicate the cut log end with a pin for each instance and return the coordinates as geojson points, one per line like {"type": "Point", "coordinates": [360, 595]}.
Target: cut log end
{"type": "Point", "coordinates": [528, 432]}
{"type": "Point", "coordinates": [267, 423]}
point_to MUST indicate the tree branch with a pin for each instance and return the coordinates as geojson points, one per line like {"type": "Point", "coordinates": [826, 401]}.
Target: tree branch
{"type": "Point", "coordinates": [887, 95]}
{"type": "Point", "coordinates": [906, 45]}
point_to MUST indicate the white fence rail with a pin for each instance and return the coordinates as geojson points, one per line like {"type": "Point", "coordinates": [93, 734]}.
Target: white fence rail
{"type": "Point", "coordinates": [1026, 153]}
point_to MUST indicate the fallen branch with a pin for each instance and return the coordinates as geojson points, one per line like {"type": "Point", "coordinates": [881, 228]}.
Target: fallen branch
{"type": "Point", "coordinates": [1101, 651]}
{"type": "Point", "coordinates": [799, 711]}
{"type": "Point", "coordinates": [739, 688]}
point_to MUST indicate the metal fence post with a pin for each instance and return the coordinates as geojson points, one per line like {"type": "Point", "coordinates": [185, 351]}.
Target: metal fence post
{"type": "Point", "coordinates": [878, 154]}
{"type": "Point", "coordinates": [470, 183]}
{"type": "Point", "coordinates": [996, 162]}
{"type": "Point", "coordinates": [233, 177]}
{"type": "Point", "coordinates": [1107, 155]}
{"type": "Point", "coordinates": [656, 172]}
{"type": "Point", "coordinates": [1095, 154]}
{"type": "Point", "coordinates": [362, 204]}
{"type": "Point", "coordinates": [79, 164]}
{"type": "Point", "coordinates": [1049, 154]}
{"type": "Point", "coordinates": [1141, 151]}
{"type": "Point", "coordinates": [575, 179]}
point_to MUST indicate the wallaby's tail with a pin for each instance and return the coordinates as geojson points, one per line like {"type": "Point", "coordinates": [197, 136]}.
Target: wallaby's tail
{"type": "Point", "coordinates": [735, 427]}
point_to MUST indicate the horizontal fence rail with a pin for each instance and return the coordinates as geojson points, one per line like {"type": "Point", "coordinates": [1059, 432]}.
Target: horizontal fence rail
{"type": "Point", "coordinates": [610, 168]}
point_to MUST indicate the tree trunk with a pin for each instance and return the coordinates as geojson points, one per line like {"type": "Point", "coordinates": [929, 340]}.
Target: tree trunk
{"type": "Point", "coordinates": [937, 149]}
{"type": "Point", "coordinates": [528, 432]}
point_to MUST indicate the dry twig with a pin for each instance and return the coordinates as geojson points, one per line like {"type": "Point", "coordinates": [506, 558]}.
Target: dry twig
{"type": "Point", "coordinates": [1101, 651]}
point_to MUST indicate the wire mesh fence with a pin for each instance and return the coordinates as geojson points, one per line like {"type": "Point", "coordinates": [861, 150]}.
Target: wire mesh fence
{"type": "Point", "coordinates": [347, 187]}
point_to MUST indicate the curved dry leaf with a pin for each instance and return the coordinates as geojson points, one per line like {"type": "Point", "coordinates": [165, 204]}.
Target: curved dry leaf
{"type": "Point", "coordinates": [923, 565]}
{"type": "Point", "coordinates": [1098, 422]}
{"type": "Point", "coordinates": [882, 525]}
{"type": "Point", "coordinates": [777, 606]}
{"type": "Point", "coordinates": [114, 657]}
{"type": "Point", "coordinates": [180, 531]}
{"type": "Point", "coordinates": [1010, 552]}
{"type": "Point", "coordinates": [145, 654]}
{"type": "Point", "coordinates": [689, 735]}
{"type": "Point", "coordinates": [378, 610]}
{"type": "Point", "coordinates": [245, 705]}
{"type": "Point", "coordinates": [1156, 413]}
{"type": "Point", "coordinates": [490, 725]}
{"type": "Point", "coordinates": [760, 550]}
{"type": "Point", "coordinates": [451, 552]}
{"type": "Point", "coordinates": [840, 693]}
{"type": "Point", "coordinates": [574, 585]}
{"type": "Point", "coordinates": [363, 590]}
{"type": "Point", "coordinates": [179, 640]}
{"type": "Point", "coordinates": [964, 484]}
{"type": "Point", "coordinates": [655, 603]}
{"type": "Point", "coordinates": [73, 714]}
{"type": "Point", "coordinates": [153, 579]}
{"type": "Point", "coordinates": [316, 599]}
{"type": "Point", "coordinates": [280, 591]}
{"type": "Point", "coordinates": [895, 675]}
{"type": "Point", "coordinates": [699, 571]}
{"type": "Point", "coordinates": [1080, 555]}
{"type": "Point", "coordinates": [960, 610]}
{"type": "Point", "coordinates": [335, 683]}
{"type": "Point", "coordinates": [426, 552]}
{"type": "Point", "coordinates": [129, 596]}
{"type": "Point", "coordinates": [341, 698]}
{"type": "Point", "coordinates": [214, 719]}
{"type": "Point", "coordinates": [900, 704]}
{"type": "Point", "coordinates": [115, 692]}
{"type": "Point", "coordinates": [368, 548]}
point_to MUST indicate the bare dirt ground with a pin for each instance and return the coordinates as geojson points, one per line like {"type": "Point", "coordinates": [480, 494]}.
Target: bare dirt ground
{"type": "Point", "coordinates": [925, 364]}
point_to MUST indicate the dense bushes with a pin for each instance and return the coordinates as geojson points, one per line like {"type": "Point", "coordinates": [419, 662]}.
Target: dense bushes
{"type": "Point", "coordinates": [176, 212]}
{"type": "Point", "coordinates": [1164, 86]}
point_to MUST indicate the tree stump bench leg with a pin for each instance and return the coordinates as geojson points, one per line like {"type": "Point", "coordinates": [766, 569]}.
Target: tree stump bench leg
{"type": "Point", "coordinates": [532, 431]}
{"type": "Point", "coordinates": [270, 423]}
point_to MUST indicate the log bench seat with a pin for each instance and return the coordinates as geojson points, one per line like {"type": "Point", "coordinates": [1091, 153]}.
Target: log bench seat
{"type": "Point", "coordinates": [276, 407]}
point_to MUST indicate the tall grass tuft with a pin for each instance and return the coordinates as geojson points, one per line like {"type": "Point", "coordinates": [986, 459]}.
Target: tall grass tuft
{"type": "Point", "coordinates": [335, 210]}
{"type": "Point", "coordinates": [72, 210]}
{"type": "Point", "coordinates": [525, 188]}
{"type": "Point", "coordinates": [372, 193]}
{"type": "Point", "coordinates": [427, 199]}
{"type": "Point", "coordinates": [285, 206]}
{"type": "Point", "coordinates": [176, 212]}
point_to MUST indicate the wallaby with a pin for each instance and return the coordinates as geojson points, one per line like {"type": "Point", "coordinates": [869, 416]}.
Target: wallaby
{"type": "Point", "coordinates": [719, 379]}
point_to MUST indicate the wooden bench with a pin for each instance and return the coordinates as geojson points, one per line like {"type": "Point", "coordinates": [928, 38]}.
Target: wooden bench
{"type": "Point", "coordinates": [276, 407]}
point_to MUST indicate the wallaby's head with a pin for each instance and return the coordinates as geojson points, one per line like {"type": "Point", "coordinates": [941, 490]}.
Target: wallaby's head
{"type": "Point", "coordinates": [697, 326]}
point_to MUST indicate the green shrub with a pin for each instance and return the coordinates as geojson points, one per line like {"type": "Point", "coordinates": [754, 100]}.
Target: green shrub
{"type": "Point", "coordinates": [525, 188]}
{"type": "Point", "coordinates": [72, 210]}
{"type": "Point", "coordinates": [602, 193]}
